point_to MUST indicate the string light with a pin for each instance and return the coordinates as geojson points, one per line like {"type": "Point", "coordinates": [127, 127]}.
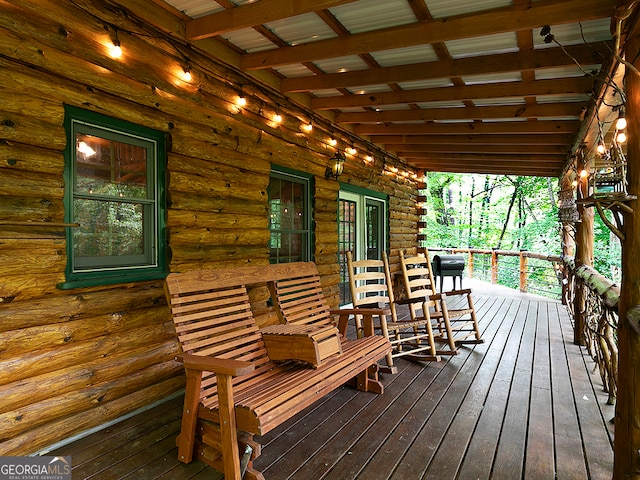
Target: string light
{"type": "Point", "coordinates": [351, 150]}
{"type": "Point", "coordinates": [277, 118]}
{"type": "Point", "coordinates": [307, 127]}
{"type": "Point", "coordinates": [621, 137]}
{"type": "Point", "coordinates": [240, 100]}
{"type": "Point", "coordinates": [116, 49]}
{"type": "Point", "coordinates": [187, 74]}
{"type": "Point", "coordinates": [621, 123]}
{"type": "Point", "coordinates": [584, 173]}
{"type": "Point", "coordinates": [333, 142]}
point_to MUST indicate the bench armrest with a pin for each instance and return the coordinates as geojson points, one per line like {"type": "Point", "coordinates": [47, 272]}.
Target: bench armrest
{"type": "Point", "coordinates": [222, 366]}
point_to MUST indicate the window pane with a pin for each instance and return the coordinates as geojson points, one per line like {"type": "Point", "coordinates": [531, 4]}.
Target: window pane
{"type": "Point", "coordinates": [108, 229]}
{"type": "Point", "coordinates": [288, 222]}
{"type": "Point", "coordinates": [346, 243]}
{"type": "Point", "coordinates": [110, 168]}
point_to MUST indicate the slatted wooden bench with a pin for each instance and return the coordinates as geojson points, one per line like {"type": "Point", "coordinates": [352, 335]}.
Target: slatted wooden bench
{"type": "Point", "coordinates": [233, 389]}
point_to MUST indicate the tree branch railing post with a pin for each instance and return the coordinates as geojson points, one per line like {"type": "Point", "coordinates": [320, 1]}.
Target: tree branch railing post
{"type": "Point", "coordinates": [600, 319]}
{"type": "Point", "coordinates": [524, 260]}
{"type": "Point", "coordinates": [494, 266]}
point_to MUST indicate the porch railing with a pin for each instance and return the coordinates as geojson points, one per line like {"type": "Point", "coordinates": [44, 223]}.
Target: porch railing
{"type": "Point", "coordinates": [527, 271]}
{"type": "Point", "coordinates": [559, 277]}
{"type": "Point", "coordinates": [599, 313]}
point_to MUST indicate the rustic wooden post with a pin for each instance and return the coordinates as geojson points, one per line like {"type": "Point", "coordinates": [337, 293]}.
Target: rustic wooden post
{"type": "Point", "coordinates": [494, 266]}
{"type": "Point", "coordinates": [524, 263]}
{"type": "Point", "coordinates": [470, 264]}
{"type": "Point", "coordinates": [627, 420]}
{"type": "Point", "coordinates": [568, 242]}
{"type": "Point", "coordinates": [584, 249]}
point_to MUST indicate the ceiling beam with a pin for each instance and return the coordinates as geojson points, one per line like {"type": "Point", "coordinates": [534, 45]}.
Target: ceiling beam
{"type": "Point", "coordinates": [568, 86]}
{"type": "Point", "coordinates": [507, 19]}
{"type": "Point", "coordinates": [506, 159]}
{"type": "Point", "coordinates": [485, 168]}
{"type": "Point", "coordinates": [253, 14]}
{"type": "Point", "coordinates": [562, 110]}
{"type": "Point", "coordinates": [476, 128]}
{"type": "Point", "coordinates": [405, 149]}
{"type": "Point", "coordinates": [473, 140]}
{"type": "Point", "coordinates": [501, 63]}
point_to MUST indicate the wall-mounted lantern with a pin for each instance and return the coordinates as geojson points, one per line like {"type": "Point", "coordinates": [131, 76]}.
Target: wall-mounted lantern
{"type": "Point", "coordinates": [336, 167]}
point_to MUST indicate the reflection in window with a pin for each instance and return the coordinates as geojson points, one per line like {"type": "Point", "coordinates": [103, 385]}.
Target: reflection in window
{"type": "Point", "coordinates": [289, 218]}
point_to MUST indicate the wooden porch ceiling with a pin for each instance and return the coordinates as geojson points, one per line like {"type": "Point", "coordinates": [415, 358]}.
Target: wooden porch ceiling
{"type": "Point", "coordinates": [462, 86]}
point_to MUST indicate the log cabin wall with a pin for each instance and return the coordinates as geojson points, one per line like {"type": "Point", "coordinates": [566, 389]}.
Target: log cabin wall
{"type": "Point", "coordinates": [73, 360]}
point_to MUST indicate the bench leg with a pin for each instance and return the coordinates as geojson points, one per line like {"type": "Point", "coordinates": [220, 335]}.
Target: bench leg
{"type": "Point", "coordinates": [230, 451]}
{"type": "Point", "coordinates": [186, 438]}
{"type": "Point", "coordinates": [367, 380]}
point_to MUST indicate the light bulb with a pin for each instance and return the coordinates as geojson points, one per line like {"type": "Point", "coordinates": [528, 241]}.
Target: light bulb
{"type": "Point", "coordinates": [621, 123]}
{"type": "Point", "coordinates": [333, 142]}
{"type": "Point", "coordinates": [116, 49]}
{"type": "Point", "coordinates": [583, 173]}
{"type": "Point", "coordinates": [600, 149]}
{"type": "Point", "coordinates": [351, 151]}
{"type": "Point", "coordinates": [241, 101]}
{"type": "Point", "coordinates": [574, 184]}
{"type": "Point", "coordinates": [307, 127]}
{"type": "Point", "coordinates": [621, 138]}
{"type": "Point", "coordinates": [187, 75]}
{"type": "Point", "coordinates": [277, 118]}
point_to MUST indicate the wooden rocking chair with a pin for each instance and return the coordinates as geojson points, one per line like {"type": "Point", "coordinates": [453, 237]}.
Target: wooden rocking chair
{"type": "Point", "coordinates": [371, 292]}
{"type": "Point", "coordinates": [455, 326]}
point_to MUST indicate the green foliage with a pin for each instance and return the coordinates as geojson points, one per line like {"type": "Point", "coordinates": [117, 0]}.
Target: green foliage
{"type": "Point", "coordinates": [509, 213]}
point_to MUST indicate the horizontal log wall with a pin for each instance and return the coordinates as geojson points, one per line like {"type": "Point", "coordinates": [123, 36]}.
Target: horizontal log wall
{"type": "Point", "coordinates": [72, 360]}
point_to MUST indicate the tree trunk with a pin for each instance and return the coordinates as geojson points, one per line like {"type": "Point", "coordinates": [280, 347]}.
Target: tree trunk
{"type": "Point", "coordinates": [516, 191]}
{"type": "Point", "coordinates": [584, 254]}
{"type": "Point", "coordinates": [627, 421]}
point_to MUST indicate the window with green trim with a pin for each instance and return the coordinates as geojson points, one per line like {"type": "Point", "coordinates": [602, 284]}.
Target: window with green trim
{"type": "Point", "coordinates": [289, 216]}
{"type": "Point", "coordinates": [115, 181]}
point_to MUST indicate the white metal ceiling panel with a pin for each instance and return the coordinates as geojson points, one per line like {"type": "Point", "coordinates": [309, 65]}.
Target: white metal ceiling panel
{"type": "Point", "coordinates": [562, 98]}
{"type": "Point", "coordinates": [573, 33]}
{"type": "Point", "coordinates": [489, 102]}
{"type": "Point", "coordinates": [301, 29]}
{"type": "Point", "coordinates": [341, 64]}
{"type": "Point", "coordinates": [369, 89]}
{"type": "Point", "coordinates": [367, 15]}
{"type": "Point", "coordinates": [405, 56]}
{"type": "Point", "coordinates": [441, 104]}
{"type": "Point", "coordinates": [329, 92]}
{"type": "Point", "coordinates": [431, 83]}
{"type": "Point", "coordinates": [492, 78]}
{"type": "Point", "coordinates": [483, 45]}
{"type": "Point", "coordinates": [294, 70]}
{"type": "Point", "coordinates": [564, 72]}
{"type": "Point", "coordinates": [249, 40]}
{"type": "Point", "coordinates": [196, 8]}
{"type": "Point", "coordinates": [449, 8]}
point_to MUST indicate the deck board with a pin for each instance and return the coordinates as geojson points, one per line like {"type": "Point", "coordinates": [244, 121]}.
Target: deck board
{"type": "Point", "coordinates": [522, 405]}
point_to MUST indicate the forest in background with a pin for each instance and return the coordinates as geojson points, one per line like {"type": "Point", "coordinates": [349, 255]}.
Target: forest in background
{"type": "Point", "coordinates": [505, 212]}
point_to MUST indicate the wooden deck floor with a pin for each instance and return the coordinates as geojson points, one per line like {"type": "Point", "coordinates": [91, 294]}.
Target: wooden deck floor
{"type": "Point", "coordinates": [523, 405]}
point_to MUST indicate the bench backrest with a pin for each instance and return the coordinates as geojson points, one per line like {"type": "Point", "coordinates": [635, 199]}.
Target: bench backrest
{"type": "Point", "coordinates": [212, 316]}
{"type": "Point", "coordinates": [297, 291]}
